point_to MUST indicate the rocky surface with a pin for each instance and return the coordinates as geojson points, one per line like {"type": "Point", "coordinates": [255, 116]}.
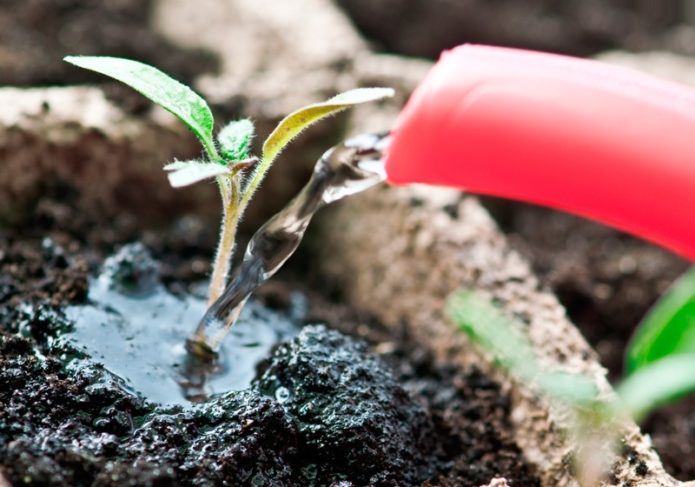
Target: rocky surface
{"type": "Point", "coordinates": [351, 413]}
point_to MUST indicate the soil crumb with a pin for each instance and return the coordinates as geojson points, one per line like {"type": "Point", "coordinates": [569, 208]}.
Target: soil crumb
{"type": "Point", "coordinates": [351, 413]}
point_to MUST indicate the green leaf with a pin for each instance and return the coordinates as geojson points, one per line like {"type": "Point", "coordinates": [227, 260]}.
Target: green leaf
{"type": "Point", "coordinates": [571, 388]}
{"type": "Point", "coordinates": [163, 90]}
{"type": "Point", "coordinates": [668, 328]}
{"type": "Point", "coordinates": [185, 173]}
{"type": "Point", "coordinates": [501, 337]}
{"type": "Point", "coordinates": [297, 121]}
{"type": "Point", "coordinates": [293, 124]}
{"type": "Point", "coordinates": [235, 139]}
{"type": "Point", "coordinates": [658, 383]}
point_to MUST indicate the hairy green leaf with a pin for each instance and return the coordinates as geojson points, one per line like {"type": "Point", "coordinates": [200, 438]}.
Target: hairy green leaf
{"type": "Point", "coordinates": [293, 124]}
{"type": "Point", "coordinates": [185, 173]}
{"type": "Point", "coordinates": [658, 383]}
{"type": "Point", "coordinates": [235, 139]}
{"type": "Point", "coordinates": [502, 338]}
{"type": "Point", "coordinates": [163, 90]}
{"type": "Point", "coordinates": [668, 328]}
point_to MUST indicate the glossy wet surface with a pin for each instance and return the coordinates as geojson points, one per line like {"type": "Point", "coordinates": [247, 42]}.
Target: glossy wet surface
{"type": "Point", "coordinates": [138, 330]}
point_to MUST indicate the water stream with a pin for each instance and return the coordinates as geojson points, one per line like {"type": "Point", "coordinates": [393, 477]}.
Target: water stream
{"type": "Point", "coordinates": [349, 168]}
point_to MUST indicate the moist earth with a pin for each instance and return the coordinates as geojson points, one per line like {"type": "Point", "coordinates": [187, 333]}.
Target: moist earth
{"type": "Point", "coordinates": [325, 409]}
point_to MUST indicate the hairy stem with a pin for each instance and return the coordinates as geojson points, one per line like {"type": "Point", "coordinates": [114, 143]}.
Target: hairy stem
{"type": "Point", "coordinates": [254, 182]}
{"type": "Point", "coordinates": [229, 189]}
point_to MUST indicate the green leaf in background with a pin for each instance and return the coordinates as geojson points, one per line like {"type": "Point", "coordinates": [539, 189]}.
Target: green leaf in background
{"type": "Point", "coordinates": [235, 139]}
{"type": "Point", "coordinates": [163, 90]}
{"type": "Point", "coordinates": [500, 336]}
{"type": "Point", "coordinates": [185, 173]}
{"type": "Point", "coordinates": [571, 388]}
{"type": "Point", "coordinates": [669, 327]}
{"type": "Point", "coordinates": [294, 123]}
{"type": "Point", "coordinates": [658, 383]}
{"type": "Point", "coordinates": [488, 327]}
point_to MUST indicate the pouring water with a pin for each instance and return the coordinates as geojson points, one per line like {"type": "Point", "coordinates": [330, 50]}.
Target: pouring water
{"type": "Point", "coordinates": [348, 168]}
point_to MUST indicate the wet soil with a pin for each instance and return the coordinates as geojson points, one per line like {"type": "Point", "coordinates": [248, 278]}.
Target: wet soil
{"type": "Point", "coordinates": [326, 409]}
{"type": "Point", "coordinates": [607, 281]}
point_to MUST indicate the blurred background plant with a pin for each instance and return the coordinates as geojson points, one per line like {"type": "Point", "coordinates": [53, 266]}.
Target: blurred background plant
{"type": "Point", "coordinates": [660, 364]}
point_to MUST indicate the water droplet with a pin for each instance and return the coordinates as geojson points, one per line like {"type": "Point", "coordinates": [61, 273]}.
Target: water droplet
{"type": "Point", "coordinates": [282, 394]}
{"type": "Point", "coordinates": [310, 471]}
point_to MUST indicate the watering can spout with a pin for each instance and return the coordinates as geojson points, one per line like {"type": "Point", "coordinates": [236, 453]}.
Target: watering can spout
{"type": "Point", "coordinates": [599, 141]}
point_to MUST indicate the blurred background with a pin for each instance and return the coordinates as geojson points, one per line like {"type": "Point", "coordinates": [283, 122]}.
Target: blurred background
{"type": "Point", "coordinates": [580, 27]}
{"type": "Point", "coordinates": [264, 58]}
{"type": "Point", "coordinates": [35, 34]}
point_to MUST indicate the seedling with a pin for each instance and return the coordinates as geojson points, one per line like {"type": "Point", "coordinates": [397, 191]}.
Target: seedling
{"type": "Point", "coordinates": [500, 336]}
{"type": "Point", "coordinates": [660, 358]}
{"type": "Point", "coordinates": [668, 329]}
{"type": "Point", "coordinates": [662, 369]}
{"type": "Point", "coordinates": [227, 157]}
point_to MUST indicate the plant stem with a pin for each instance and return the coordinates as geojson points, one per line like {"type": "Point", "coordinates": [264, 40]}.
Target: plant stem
{"type": "Point", "coordinates": [254, 181]}
{"type": "Point", "coordinates": [211, 150]}
{"type": "Point", "coordinates": [229, 190]}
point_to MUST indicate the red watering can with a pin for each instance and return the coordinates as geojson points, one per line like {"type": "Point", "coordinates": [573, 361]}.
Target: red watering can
{"type": "Point", "coordinates": [603, 142]}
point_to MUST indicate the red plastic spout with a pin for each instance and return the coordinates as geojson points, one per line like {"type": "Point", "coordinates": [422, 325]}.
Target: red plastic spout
{"type": "Point", "coordinates": [603, 142]}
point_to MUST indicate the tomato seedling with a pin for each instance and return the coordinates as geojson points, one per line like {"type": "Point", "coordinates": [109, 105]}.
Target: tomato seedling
{"type": "Point", "coordinates": [226, 157]}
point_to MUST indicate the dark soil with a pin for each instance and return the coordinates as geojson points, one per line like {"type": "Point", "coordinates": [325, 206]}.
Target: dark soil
{"type": "Point", "coordinates": [673, 432]}
{"type": "Point", "coordinates": [35, 35]}
{"type": "Point", "coordinates": [582, 27]}
{"type": "Point", "coordinates": [607, 281]}
{"type": "Point", "coordinates": [373, 411]}
{"type": "Point", "coordinates": [354, 420]}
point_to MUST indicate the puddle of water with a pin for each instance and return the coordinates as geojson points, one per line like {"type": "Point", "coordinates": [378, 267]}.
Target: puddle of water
{"type": "Point", "coordinates": [140, 337]}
